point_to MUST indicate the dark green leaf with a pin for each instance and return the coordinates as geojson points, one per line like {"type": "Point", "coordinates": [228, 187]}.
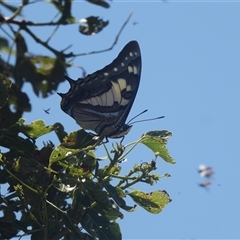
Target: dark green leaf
{"type": "Point", "coordinates": [5, 85]}
{"type": "Point", "coordinates": [117, 194]}
{"type": "Point", "coordinates": [99, 226]}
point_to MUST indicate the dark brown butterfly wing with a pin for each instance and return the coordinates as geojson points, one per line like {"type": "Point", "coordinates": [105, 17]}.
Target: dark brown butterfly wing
{"type": "Point", "coordinates": [101, 102]}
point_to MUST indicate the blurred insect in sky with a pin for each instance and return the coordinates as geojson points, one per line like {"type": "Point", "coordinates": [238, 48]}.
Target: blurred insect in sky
{"type": "Point", "coordinates": [47, 110]}
{"type": "Point", "coordinates": [205, 172]}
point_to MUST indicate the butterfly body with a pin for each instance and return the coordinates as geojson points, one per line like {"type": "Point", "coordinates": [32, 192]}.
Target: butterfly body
{"type": "Point", "coordinates": [102, 100]}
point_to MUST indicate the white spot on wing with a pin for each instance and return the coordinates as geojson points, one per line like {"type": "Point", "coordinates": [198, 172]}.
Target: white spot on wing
{"type": "Point", "coordinates": [94, 101]}
{"type": "Point", "coordinates": [130, 69]}
{"type": "Point", "coordinates": [116, 91]}
{"type": "Point", "coordinates": [115, 69]}
{"type": "Point", "coordinates": [104, 99]}
{"type": "Point", "coordinates": [135, 70]}
{"type": "Point", "coordinates": [129, 88]}
{"type": "Point", "coordinates": [84, 102]}
{"type": "Point", "coordinates": [105, 74]}
{"type": "Point", "coordinates": [130, 54]}
{"type": "Point", "coordinates": [124, 102]}
{"type": "Point", "coordinates": [110, 98]}
{"type": "Point", "coordinates": [99, 100]}
{"type": "Point", "coordinates": [122, 83]}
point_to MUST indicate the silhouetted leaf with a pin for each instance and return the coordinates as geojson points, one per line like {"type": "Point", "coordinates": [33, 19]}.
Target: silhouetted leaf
{"type": "Point", "coordinates": [59, 130]}
{"type": "Point", "coordinates": [17, 104]}
{"type": "Point", "coordinates": [99, 226]}
{"type": "Point", "coordinates": [5, 85]}
{"type": "Point", "coordinates": [92, 25]}
{"type": "Point", "coordinates": [3, 43]}
{"type": "Point", "coordinates": [99, 3]}
{"type": "Point", "coordinates": [64, 7]}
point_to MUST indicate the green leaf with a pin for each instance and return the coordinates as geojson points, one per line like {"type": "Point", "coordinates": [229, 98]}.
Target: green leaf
{"type": "Point", "coordinates": [74, 143]}
{"type": "Point", "coordinates": [153, 202]}
{"type": "Point", "coordinates": [80, 200]}
{"type": "Point", "coordinates": [34, 130]}
{"type": "Point", "coordinates": [62, 153]}
{"type": "Point", "coordinates": [156, 141]}
{"type": "Point", "coordinates": [98, 194]}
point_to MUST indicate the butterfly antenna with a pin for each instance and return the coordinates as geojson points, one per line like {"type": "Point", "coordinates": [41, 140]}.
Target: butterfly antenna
{"type": "Point", "coordinates": [150, 119]}
{"type": "Point", "coordinates": [137, 116]}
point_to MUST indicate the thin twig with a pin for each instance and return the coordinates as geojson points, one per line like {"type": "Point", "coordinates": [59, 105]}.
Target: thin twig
{"type": "Point", "coordinates": [24, 26]}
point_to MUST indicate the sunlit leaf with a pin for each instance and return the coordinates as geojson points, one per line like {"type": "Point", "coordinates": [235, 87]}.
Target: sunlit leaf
{"type": "Point", "coordinates": [157, 144]}
{"type": "Point", "coordinates": [34, 130]}
{"type": "Point", "coordinates": [153, 202]}
{"type": "Point", "coordinates": [61, 153]}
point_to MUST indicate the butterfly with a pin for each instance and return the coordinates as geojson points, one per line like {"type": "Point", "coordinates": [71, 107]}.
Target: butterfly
{"type": "Point", "coordinates": [102, 100]}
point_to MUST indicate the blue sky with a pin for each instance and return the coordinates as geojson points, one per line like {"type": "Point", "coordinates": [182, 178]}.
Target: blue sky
{"type": "Point", "coordinates": [191, 75]}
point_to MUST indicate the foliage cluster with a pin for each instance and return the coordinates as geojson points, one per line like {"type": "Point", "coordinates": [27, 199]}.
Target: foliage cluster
{"type": "Point", "coordinates": [61, 191]}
